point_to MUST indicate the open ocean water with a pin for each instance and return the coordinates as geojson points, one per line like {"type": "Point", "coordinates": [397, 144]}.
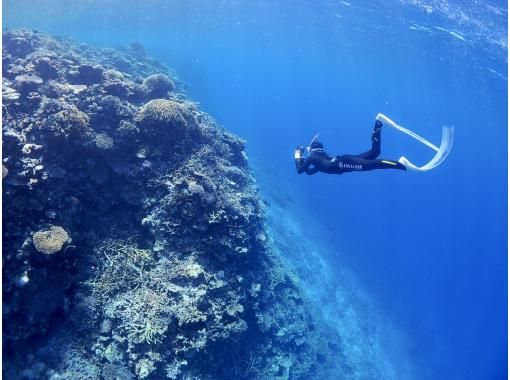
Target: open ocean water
{"type": "Point", "coordinates": [422, 254]}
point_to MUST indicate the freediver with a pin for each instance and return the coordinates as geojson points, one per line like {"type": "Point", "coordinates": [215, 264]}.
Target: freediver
{"type": "Point", "coordinates": [319, 161]}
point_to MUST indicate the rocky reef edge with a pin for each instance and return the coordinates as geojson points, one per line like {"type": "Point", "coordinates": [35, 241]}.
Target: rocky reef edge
{"type": "Point", "coordinates": [134, 239]}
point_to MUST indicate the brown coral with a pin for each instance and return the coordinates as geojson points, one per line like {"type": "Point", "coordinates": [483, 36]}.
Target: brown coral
{"type": "Point", "coordinates": [50, 241]}
{"type": "Point", "coordinates": [165, 114]}
{"type": "Point", "coordinates": [71, 122]}
{"type": "Point", "coordinates": [158, 85]}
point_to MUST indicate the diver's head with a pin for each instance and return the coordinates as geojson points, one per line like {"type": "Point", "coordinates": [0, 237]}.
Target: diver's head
{"type": "Point", "coordinates": [316, 146]}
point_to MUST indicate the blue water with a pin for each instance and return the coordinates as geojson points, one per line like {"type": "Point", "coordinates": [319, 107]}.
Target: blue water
{"type": "Point", "coordinates": [430, 249]}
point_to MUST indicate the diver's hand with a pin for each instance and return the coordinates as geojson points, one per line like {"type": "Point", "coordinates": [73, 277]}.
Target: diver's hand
{"type": "Point", "coordinates": [299, 158]}
{"type": "Point", "coordinates": [299, 163]}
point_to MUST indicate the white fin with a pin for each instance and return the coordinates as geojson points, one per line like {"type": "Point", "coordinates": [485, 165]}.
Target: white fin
{"type": "Point", "coordinates": [441, 152]}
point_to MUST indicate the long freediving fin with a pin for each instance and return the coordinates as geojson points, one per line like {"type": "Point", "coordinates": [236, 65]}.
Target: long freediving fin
{"type": "Point", "coordinates": [441, 152]}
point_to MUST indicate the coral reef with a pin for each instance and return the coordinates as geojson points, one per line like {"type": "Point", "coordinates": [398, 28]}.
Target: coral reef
{"type": "Point", "coordinates": [170, 273]}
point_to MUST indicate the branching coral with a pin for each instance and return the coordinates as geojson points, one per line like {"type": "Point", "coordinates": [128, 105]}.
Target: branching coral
{"type": "Point", "coordinates": [174, 369]}
{"type": "Point", "coordinates": [121, 265]}
{"type": "Point", "coordinates": [116, 372]}
{"type": "Point", "coordinates": [185, 307]}
{"type": "Point", "coordinates": [144, 368]}
{"type": "Point", "coordinates": [143, 314]}
{"type": "Point", "coordinates": [76, 365]}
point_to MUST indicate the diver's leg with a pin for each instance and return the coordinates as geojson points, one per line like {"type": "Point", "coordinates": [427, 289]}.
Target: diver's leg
{"type": "Point", "coordinates": [385, 164]}
{"type": "Point", "coordinates": [355, 163]}
{"type": "Point", "coordinates": [373, 153]}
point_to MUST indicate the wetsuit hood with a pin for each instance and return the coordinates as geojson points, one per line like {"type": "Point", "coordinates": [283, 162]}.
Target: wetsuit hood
{"type": "Point", "coordinates": [316, 147]}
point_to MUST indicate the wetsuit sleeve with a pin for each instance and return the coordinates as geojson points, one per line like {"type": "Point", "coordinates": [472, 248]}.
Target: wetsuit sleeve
{"type": "Point", "coordinates": [306, 167]}
{"type": "Point", "coordinates": [312, 170]}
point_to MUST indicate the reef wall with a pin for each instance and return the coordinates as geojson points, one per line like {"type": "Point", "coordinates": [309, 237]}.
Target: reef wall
{"type": "Point", "coordinates": [135, 244]}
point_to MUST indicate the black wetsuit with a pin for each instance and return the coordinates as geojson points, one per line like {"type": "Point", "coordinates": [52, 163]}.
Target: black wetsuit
{"type": "Point", "coordinates": [320, 161]}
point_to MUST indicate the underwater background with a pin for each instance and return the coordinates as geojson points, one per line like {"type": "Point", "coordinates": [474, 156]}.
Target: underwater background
{"type": "Point", "coordinates": [422, 254]}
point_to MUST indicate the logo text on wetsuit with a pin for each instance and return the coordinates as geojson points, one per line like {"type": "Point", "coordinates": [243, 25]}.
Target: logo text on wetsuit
{"type": "Point", "coordinates": [343, 165]}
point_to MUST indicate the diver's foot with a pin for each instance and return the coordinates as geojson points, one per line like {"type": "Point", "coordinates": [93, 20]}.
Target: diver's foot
{"type": "Point", "coordinates": [400, 166]}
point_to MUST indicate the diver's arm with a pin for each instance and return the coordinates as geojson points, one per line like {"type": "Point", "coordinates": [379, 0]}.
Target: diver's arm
{"type": "Point", "coordinates": [304, 165]}
{"type": "Point", "coordinates": [312, 170]}
{"type": "Point", "coordinates": [309, 166]}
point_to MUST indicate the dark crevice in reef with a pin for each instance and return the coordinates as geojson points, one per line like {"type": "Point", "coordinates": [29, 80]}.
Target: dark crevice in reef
{"type": "Point", "coordinates": [134, 239]}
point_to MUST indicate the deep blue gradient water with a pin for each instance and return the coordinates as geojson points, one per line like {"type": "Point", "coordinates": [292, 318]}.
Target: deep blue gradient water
{"type": "Point", "coordinates": [430, 249]}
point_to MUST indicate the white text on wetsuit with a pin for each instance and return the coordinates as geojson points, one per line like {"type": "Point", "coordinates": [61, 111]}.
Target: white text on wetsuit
{"type": "Point", "coordinates": [343, 165]}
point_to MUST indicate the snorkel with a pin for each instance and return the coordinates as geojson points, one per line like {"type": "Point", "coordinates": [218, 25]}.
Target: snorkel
{"type": "Point", "coordinates": [301, 153]}
{"type": "Point", "coordinates": [308, 149]}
